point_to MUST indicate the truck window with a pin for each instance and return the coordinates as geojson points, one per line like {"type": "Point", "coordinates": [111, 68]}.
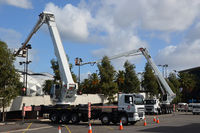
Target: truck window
{"type": "Point", "coordinates": [150, 102]}
{"type": "Point", "coordinates": [138, 101]}
{"type": "Point", "coordinates": [128, 99]}
{"type": "Point", "coordinates": [196, 106]}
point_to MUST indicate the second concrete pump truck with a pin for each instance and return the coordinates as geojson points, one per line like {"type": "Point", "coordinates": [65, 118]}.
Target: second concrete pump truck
{"type": "Point", "coordinates": [129, 109]}
{"type": "Point", "coordinates": [152, 105]}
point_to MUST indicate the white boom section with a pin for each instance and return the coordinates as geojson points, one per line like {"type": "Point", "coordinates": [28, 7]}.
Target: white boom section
{"type": "Point", "coordinates": [143, 51]}
{"type": "Point", "coordinates": [170, 94]}
{"type": "Point", "coordinates": [125, 54]}
{"type": "Point", "coordinates": [69, 87]}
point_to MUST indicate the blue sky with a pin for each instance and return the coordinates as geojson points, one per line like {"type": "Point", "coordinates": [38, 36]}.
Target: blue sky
{"type": "Point", "coordinates": [91, 29]}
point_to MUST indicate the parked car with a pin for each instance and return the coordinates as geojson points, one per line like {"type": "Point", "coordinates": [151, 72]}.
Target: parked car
{"type": "Point", "coordinates": [196, 108]}
{"type": "Point", "coordinates": [190, 107]}
{"type": "Point", "coordinates": [182, 107]}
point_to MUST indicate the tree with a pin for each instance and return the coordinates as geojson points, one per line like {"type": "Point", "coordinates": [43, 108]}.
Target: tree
{"type": "Point", "coordinates": [57, 80]}
{"type": "Point", "coordinates": [120, 80]}
{"type": "Point", "coordinates": [131, 81]}
{"type": "Point", "coordinates": [90, 85]}
{"type": "Point", "coordinates": [174, 84]}
{"type": "Point", "coordinates": [55, 67]}
{"type": "Point", "coordinates": [188, 84]}
{"type": "Point", "coordinates": [84, 87]}
{"type": "Point", "coordinates": [47, 86]}
{"type": "Point", "coordinates": [10, 85]}
{"type": "Point", "coordinates": [107, 74]}
{"type": "Point", "coordinates": [149, 82]}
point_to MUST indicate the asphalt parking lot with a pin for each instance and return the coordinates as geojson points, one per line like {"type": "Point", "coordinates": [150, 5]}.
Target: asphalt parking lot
{"type": "Point", "coordinates": [183, 122]}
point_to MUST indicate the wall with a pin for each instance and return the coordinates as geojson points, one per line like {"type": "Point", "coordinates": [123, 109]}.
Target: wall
{"type": "Point", "coordinates": [17, 103]}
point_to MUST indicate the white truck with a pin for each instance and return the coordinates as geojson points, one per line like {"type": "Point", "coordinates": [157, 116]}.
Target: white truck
{"type": "Point", "coordinates": [196, 109]}
{"type": "Point", "coordinates": [152, 106]}
{"type": "Point", "coordinates": [129, 109]}
{"type": "Point", "coordinates": [164, 106]}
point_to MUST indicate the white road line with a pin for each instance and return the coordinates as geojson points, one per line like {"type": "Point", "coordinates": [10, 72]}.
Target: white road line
{"type": "Point", "coordinates": [32, 129]}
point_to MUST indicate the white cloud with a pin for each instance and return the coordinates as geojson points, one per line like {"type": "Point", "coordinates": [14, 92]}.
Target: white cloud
{"type": "Point", "coordinates": [115, 25]}
{"type": "Point", "coordinates": [180, 57]}
{"type": "Point", "coordinates": [71, 21]}
{"type": "Point", "coordinates": [85, 75]}
{"type": "Point", "coordinates": [26, 4]}
{"type": "Point", "coordinates": [12, 39]}
{"type": "Point", "coordinates": [161, 15]}
{"type": "Point", "coordinates": [7, 34]}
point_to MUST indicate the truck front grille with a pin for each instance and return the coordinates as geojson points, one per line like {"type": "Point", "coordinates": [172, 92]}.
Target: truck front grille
{"type": "Point", "coordinates": [140, 114]}
{"type": "Point", "coordinates": [140, 110]}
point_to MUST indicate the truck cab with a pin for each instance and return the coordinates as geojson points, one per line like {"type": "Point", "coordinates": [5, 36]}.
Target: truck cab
{"type": "Point", "coordinates": [196, 108]}
{"type": "Point", "coordinates": [133, 105]}
{"type": "Point", "coordinates": [152, 106]}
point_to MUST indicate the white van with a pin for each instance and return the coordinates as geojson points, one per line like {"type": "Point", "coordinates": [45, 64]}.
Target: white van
{"type": "Point", "coordinates": [182, 107]}
{"type": "Point", "coordinates": [196, 108]}
{"type": "Point", "coordinates": [190, 107]}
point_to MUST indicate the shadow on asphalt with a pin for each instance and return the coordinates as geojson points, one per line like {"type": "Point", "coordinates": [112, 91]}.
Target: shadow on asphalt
{"type": "Point", "coordinates": [193, 128]}
{"type": "Point", "coordinates": [79, 124]}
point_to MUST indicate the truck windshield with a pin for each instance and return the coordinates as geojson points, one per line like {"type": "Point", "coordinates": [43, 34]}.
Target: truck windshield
{"type": "Point", "coordinates": [196, 106]}
{"type": "Point", "coordinates": [138, 101]}
{"type": "Point", "coordinates": [150, 101]}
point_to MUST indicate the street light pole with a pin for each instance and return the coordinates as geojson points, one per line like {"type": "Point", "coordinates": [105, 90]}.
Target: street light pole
{"type": "Point", "coordinates": [164, 70]}
{"type": "Point", "coordinates": [78, 62]}
{"type": "Point", "coordinates": [21, 63]}
{"type": "Point", "coordinates": [27, 62]}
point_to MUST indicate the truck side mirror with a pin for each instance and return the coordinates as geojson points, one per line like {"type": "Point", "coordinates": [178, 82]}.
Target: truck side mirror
{"type": "Point", "coordinates": [131, 100]}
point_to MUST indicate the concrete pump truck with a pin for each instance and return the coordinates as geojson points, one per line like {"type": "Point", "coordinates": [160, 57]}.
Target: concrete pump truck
{"type": "Point", "coordinates": [129, 108]}
{"type": "Point", "coordinates": [152, 106]}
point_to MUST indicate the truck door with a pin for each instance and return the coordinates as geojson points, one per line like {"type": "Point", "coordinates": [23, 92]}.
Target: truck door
{"type": "Point", "coordinates": [128, 103]}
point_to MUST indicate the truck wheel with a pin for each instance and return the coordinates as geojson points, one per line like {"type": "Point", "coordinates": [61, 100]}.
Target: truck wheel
{"type": "Point", "coordinates": [105, 119]}
{"type": "Point", "coordinates": [54, 118]}
{"type": "Point", "coordinates": [74, 118]}
{"type": "Point", "coordinates": [133, 122]}
{"type": "Point", "coordinates": [124, 120]}
{"type": "Point", "coordinates": [65, 118]}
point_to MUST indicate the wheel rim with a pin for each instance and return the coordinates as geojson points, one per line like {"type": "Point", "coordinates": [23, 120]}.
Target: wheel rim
{"type": "Point", "coordinates": [53, 117]}
{"type": "Point", "coordinates": [105, 119]}
{"type": "Point", "coordinates": [124, 119]}
{"type": "Point", "coordinates": [64, 117]}
{"type": "Point", "coordinates": [74, 118]}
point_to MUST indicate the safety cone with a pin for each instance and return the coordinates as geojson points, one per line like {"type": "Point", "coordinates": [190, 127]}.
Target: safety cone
{"type": "Point", "coordinates": [157, 121]}
{"type": "Point", "coordinates": [145, 122]}
{"type": "Point", "coordinates": [154, 119]}
{"type": "Point", "coordinates": [90, 129]}
{"type": "Point", "coordinates": [120, 125]}
{"type": "Point", "coordinates": [59, 129]}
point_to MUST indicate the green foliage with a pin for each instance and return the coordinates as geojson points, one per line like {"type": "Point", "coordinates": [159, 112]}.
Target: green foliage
{"type": "Point", "coordinates": [174, 84]}
{"type": "Point", "coordinates": [107, 74]}
{"type": "Point", "coordinates": [131, 81]}
{"type": "Point", "coordinates": [120, 80]}
{"type": "Point", "coordinates": [10, 85]}
{"type": "Point", "coordinates": [150, 83]}
{"type": "Point", "coordinates": [55, 67]}
{"type": "Point", "coordinates": [47, 86]}
{"type": "Point", "coordinates": [91, 85]}
{"type": "Point", "coordinates": [57, 79]}
{"type": "Point", "coordinates": [188, 83]}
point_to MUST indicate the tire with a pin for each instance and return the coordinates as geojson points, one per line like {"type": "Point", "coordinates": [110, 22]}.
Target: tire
{"type": "Point", "coordinates": [105, 119]}
{"type": "Point", "coordinates": [133, 122]}
{"type": "Point", "coordinates": [65, 118]}
{"type": "Point", "coordinates": [74, 118]}
{"type": "Point", "coordinates": [54, 117]}
{"type": "Point", "coordinates": [124, 120]}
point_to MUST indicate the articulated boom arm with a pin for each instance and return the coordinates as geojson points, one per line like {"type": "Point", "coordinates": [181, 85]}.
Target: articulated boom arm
{"type": "Point", "coordinates": [143, 51]}
{"type": "Point", "coordinates": [68, 86]}
{"type": "Point", "coordinates": [170, 94]}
